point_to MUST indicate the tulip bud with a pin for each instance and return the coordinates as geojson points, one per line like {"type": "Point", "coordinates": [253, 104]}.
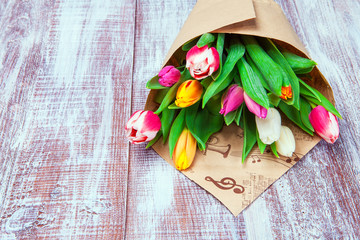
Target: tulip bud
{"type": "Point", "coordinates": [285, 145]}
{"type": "Point", "coordinates": [269, 127]}
{"type": "Point", "coordinates": [168, 76]}
{"type": "Point", "coordinates": [188, 93]}
{"type": "Point", "coordinates": [286, 92]}
{"type": "Point", "coordinates": [325, 124]}
{"type": "Point", "coordinates": [202, 62]}
{"type": "Point", "coordinates": [184, 151]}
{"type": "Point", "coordinates": [255, 108]}
{"type": "Point", "coordinates": [142, 126]}
{"type": "Point", "coordinates": [231, 99]}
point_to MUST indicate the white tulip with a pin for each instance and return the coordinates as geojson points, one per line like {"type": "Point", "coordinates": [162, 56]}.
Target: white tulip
{"type": "Point", "coordinates": [286, 143]}
{"type": "Point", "coordinates": [269, 127]}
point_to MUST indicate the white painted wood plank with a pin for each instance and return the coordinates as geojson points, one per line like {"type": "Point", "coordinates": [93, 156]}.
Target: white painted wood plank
{"type": "Point", "coordinates": [66, 66]}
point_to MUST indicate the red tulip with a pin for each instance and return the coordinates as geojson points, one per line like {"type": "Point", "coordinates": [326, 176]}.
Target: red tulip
{"type": "Point", "coordinates": [142, 126]}
{"type": "Point", "coordinates": [232, 99]}
{"type": "Point", "coordinates": [168, 76]}
{"type": "Point", "coordinates": [202, 62]}
{"type": "Point", "coordinates": [325, 124]}
{"type": "Point", "coordinates": [255, 108]}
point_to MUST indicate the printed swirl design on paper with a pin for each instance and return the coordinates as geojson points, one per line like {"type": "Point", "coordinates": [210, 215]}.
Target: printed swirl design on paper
{"type": "Point", "coordinates": [227, 183]}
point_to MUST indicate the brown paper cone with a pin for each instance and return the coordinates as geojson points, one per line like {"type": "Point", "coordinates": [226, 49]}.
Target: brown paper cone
{"type": "Point", "coordinates": [218, 169]}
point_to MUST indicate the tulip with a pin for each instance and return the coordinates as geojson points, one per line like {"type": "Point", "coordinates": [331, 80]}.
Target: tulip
{"type": "Point", "coordinates": [255, 108]}
{"type": "Point", "coordinates": [184, 151]}
{"type": "Point", "coordinates": [168, 76]}
{"type": "Point", "coordinates": [286, 92]}
{"type": "Point", "coordinates": [324, 123]}
{"type": "Point", "coordinates": [231, 99]}
{"type": "Point", "coordinates": [188, 93]}
{"type": "Point", "coordinates": [202, 62]}
{"type": "Point", "coordinates": [269, 127]}
{"type": "Point", "coordinates": [285, 145]}
{"type": "Point", "coordinates": [142, 126]}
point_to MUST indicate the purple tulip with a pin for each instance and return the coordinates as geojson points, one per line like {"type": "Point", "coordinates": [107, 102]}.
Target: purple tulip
{"type": "Point", "coordinates": [232, 99]}
{"type": "Point", "coordinates": [168, 76]}
{"type": "Point", "coordinates": [255, 108]}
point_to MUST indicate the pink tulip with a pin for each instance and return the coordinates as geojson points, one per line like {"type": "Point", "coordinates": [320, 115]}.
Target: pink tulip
{"type": "Point", "coordinates": [255, 108]}
{"type": "Point", "coordinates": [325, 124]}
{"type": "Point", "coordinates": [168, 76]}
{"type": "Point", "coordinates": [232, 99]}
{"type": "Point", "coordinates": [202, 62]}
{"type": "Point", "coordinates": [142, 126]}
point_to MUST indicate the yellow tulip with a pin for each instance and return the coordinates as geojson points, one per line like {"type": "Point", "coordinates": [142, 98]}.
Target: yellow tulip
{"type": "Point", "coordinates": [188, 93]}
{"type": "Point", "coordinates": [185, 150]}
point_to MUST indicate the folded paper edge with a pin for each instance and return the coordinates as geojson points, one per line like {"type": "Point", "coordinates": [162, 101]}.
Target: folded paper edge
{"type": "Point", "coordinates": [200, 19]}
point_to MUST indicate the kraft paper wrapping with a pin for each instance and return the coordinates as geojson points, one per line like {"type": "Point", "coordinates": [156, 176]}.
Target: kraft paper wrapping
{"type": "Point", "coordinates": [218, 169]}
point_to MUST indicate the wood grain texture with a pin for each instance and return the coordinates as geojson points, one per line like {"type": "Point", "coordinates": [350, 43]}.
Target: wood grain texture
{"type": "Point", "coordinates": [72, 72]}
{"type": "Point", "coordinates": [65, 99]}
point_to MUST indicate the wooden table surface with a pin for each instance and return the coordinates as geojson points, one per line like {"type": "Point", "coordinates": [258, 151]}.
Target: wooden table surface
{"type": "Point", "coordinates": [72, 72]}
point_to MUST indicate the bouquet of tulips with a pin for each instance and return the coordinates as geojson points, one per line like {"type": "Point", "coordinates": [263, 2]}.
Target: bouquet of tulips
{"type": "Point", "coordinates": [233, 79]}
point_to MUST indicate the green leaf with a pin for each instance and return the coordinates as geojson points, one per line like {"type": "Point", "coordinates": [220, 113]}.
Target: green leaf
{"type": "Point", "coordinates": [160, 95]}
{"type": "Point", "coordinates": [273, 99]}
{"type": "Point", "coordinates": [306, 90]}
{"type": "Point", "coordinates": [205, 39]}
{"type": "Point", "coordinates": [236, 51]}
{"type": "Point", "coordinates": [261, 145]}
{"type": "Point", "coordinates": [216, 87]}
{"type": "Point", "coordinates": [267, 66]}
{"type": "Point", "coordinates": [323, 101]}
{"type": "Point", "coordinates": [237, 79]}
{"type": "Point", "coordinates": [158, 135]}
{"type": "Point", "coordinates": [176, 130]}
{"type": "Point", "coordinates": [252, 84]}
{"type": "Point", "coordinates": [304, 71]}
{"type": "Point", "coordinates": [239, 114]}
{"type": "Point", "coordinates": [220, 49]}
{"type": "Point", "coordinates": [230, 117]}
{"type": "Point", "coordinates": [167, 118]}
{"type": "Point", "coordinates": [299, 64]}
{"type": "Point", "coordinates": [273, 149]}
{"type": "Point", "coordinates": [214, 104]}
{"type": "Point", "coordinates": [173, 106]}
{"type": "Point", "coordinates": [290, 76]}
{"type": "Point", "coordinates": [294, 115]}
{"type": "Point", "coordinates": [305, 110]}
{"type": "Point", "coordinates": [249, 133]}
{"type": "Point", "coordinates": [154, 83]}
{"type": "Point", "coordinates": [206, 82]}
{"type": "Point", "coordinates": [258, 73]}
{"type": "Point", "coordinates": [202, 124]}
{"type": "Point", "coordinates": [189, 44]}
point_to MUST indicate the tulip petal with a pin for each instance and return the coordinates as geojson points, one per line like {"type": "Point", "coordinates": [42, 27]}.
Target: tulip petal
{"type": "Point", "coordinates": [232, 99]}
{"type": "Point", "coordinates": [142, 126]}
{"type": "Point", "coordinates": [285, 145]}
{"type": "Point", "coordinates": [325, 124]}
{"type": "Point", "coordinates": [202, 62]}
{"type": "Point", "coordinates": [188, 93]}
{"type": "Point", "coordinates": [184, 151]}
{"type": "Point", "coordinates": [255, 108]}
{"type": "Point", "coordinates": [269, 127]}
{"type": "Point", "coordinates": [168, 76]}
